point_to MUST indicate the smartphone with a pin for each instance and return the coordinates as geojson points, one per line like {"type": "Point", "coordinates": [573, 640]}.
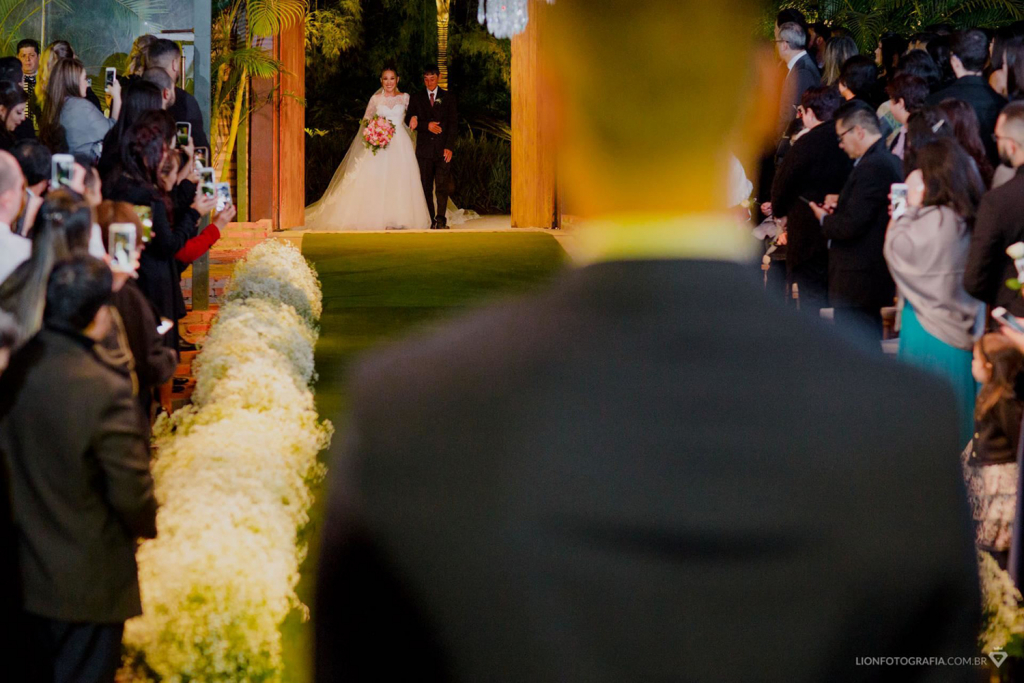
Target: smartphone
{"type": "Point", "coordinates": [110, 77]}
{"type": "Point", "coordinates": [1011, 321]}
{"type": "Point", "coordinates": [223, 196]}
{"type": "Point", "coordinates": [122, 247]}
{"type": "Point", "coordinates": [202, 158]}
{"type": "Point", "coordinates": [898, 197]}
{"type": "Point", "coordinates": [184, 132]}
{"type": "Point", "coordinates": [165, 326]}
{"type": "Point", "coordinates": [62, 168]}
{"type": "Point", "coordinates": [145, 214]}
{"type": "Point", "coordinates": [207, 182]}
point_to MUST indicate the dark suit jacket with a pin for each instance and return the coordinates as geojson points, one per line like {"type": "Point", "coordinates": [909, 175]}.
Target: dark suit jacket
{"type": "Point", "coordinates": [600, 482]}
{"type": "Point", "coordinates": [445, 111]}
{"type": "Point", "coordinates": [985, 101]}
{"type": "Point", "coordinates": [186, 108]}
{"type": "Point", "coordinates": [858, 276]}
{"type": "Point", "coordinates": [813, 168]}
{"type": "Point", "coordinates": [801, 77]}
{"type": "Point", "coordinates": [1000, 223]}
{"type": "Point", "coordinates": [80, 482]}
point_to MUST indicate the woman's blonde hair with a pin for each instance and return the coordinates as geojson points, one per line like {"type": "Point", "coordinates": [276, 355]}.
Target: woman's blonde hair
{"type": "Point", "coordinates": [138, 58]}
{"type": "Point", "coordinates": [65, 81]}
{"type": "Point", "coordinates": [54, 52]}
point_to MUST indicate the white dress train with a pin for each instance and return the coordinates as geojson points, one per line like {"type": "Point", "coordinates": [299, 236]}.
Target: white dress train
{"type": "Point", "coordinates": [375, 192]}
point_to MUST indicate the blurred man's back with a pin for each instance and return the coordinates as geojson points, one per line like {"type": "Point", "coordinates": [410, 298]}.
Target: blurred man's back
{"type": "Point", "coordinates": [651, 471]}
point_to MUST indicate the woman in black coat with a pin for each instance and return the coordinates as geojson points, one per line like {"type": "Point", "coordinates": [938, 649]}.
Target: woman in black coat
{"type": "Point", "coordinates": [136, 180]}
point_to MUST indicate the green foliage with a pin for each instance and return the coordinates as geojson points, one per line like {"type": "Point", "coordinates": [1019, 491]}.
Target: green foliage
{"type": "Point", "coordinates": [270, 17]}
{"type": "Point", "coordinates": [482, 166]}
{"type": "Point", "coordinates": [329, 32]}
{"type": "Point", "coordinates": [868, 19]}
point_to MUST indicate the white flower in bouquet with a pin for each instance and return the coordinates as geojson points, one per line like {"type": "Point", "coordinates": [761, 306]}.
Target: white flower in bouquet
{"type": "Point", "coordinates": [1016, 250]}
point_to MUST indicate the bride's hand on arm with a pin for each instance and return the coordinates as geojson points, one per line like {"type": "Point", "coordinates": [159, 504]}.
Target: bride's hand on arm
{"type": "Point", "coordinates": [413, 122]}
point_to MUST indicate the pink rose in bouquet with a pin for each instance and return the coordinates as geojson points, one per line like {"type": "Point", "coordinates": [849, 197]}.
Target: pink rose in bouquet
{"type": "Point", "coordinates": [377, 133]}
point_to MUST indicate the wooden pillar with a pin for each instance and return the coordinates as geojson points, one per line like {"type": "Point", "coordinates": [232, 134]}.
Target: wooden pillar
{"type": "Point", "coordinates": [293, 127]}
{"type": "Point", "coordinates": [277, 137]}
{"type": "Point", "coordinates": [533, 165]}
{"type": "Point", "coordinates": [264, 148]}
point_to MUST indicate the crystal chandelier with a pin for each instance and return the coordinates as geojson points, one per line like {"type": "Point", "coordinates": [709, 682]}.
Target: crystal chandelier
{"type": "Point", "coordinates": [504, 18]}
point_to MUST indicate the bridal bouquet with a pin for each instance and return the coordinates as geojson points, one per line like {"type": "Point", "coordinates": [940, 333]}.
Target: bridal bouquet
{"type": "Point", "coordinates": [377, 134]}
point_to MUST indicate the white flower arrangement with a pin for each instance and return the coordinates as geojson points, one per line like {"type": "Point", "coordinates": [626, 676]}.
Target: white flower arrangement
{"type": "Point", "coordinates": [1000, 606]}
{"type": "Point", "coordinates": [232, 474]}
{"type": "Point", "coordinates": [276, 270]}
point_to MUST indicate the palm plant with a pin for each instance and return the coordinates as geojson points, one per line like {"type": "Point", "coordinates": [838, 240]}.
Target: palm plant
{"type": "Point", "coordinates": [240, 54]}
{"type": "Point", "coordinates": [868, 19]}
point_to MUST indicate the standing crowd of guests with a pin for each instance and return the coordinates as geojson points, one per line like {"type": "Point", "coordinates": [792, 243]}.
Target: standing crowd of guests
{"type": "Point", "coordinates": [85, 343]}
{"type": "Point", "coordinates": [939, 115]}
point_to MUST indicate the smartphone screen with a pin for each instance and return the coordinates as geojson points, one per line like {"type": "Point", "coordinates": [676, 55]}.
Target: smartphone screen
{"type": "Point", "coordinates": [111, 75]}
{"type": "Point", "coordinates": [145, 214]}
{"type": "Point", "coordinates": [207, 182]}
{"type": "Point", "coordinates": [202, 158]}
{"type": "Point", "coordinates": [898, 193]}
{"type": "Point", "coordinates": [184, 131]}
{"type": "Point", "coordinates": [122, 246]}
{"type": "Point", "coordinates": [223, 196]}
{"type": "Point", "coordinates": [62, 168]}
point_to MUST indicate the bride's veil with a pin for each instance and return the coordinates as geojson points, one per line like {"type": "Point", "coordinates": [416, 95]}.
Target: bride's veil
{"type": "Point", "coordinates": [355, 155]}
{"type": "Point", "coordinates": [357, 152]}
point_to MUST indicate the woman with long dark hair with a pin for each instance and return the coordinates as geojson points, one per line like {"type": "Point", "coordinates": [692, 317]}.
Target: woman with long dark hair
{"type": "Point", "coordinates": [139, 97]}
{"type": "Point", "coordinates": [926, 250]}
{"type": "Point", "coordinates": [13, 102]}
{"type": "Point", "coordinates": [967, 132]}
{"type": "Point", "coordinates": [62, 227]}
{"type": "Point", "coordinates": [136, 180]}
{"type": "Point", "coordinates": [69, 122]}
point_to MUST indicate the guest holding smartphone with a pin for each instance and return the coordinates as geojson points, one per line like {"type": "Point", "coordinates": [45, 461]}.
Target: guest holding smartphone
{"type": "Point", "coordinates": [926, 251]}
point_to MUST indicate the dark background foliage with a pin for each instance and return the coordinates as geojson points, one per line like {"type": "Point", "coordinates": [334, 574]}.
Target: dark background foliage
{"type": "Point", "coordinates": [868, 19]}
{"type": "Point", "coordinates": [349, 42]}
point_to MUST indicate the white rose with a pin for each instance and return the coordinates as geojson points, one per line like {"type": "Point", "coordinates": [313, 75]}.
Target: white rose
{"type": "Point", "coordinates": [1015, 251]}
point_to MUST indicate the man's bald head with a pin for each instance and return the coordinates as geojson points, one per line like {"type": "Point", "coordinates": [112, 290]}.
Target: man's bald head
{"type": "Point", "coordinates": [10, 172]}
{"type": "Point", "coordinates": [1010, 134]}
{"type": "Point", "coordinates": [645, 94]}
{"type": "Point", "coordinates": [12, 188]}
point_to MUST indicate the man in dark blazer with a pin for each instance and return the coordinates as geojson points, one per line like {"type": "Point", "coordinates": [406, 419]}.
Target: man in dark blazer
{"type": "Point", "coordinates": [814, 168]}
{"type": "Point", "coordinates": [434, 114]}
{"type": "Point", "coordinates": [1000, 222]}
{"type": "Point", "coordinates": [859, 283]}
{"type": "Point", "coordinates": [968, 56]}
{"type": "Point", "coordinates": [790, 43]}
{"type": "Point", "coordinates": [165, 54]}
{"type": "Point", "coordinates": [81, 488]}
{"type": "Point", "coordinates": [601, 482]}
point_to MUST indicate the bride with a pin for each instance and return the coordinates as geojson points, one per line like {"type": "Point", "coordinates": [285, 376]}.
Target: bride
{"type": "Point", "coordinates": [376, 192]}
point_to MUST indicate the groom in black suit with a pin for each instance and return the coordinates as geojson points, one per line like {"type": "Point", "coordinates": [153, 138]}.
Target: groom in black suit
{"type": "Point", "coordinates": [435, 115]}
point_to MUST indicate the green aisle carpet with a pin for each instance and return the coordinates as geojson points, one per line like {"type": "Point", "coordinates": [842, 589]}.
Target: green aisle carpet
{"type": "Point", "coordinates": [379, 287]}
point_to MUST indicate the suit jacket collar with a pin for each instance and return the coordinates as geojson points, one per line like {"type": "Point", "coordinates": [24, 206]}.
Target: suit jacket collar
{"type": "Point", "coordinates": [877, 148]}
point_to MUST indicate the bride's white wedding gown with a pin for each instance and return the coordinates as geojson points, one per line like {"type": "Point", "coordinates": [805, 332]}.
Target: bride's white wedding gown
{"type": "Point", "coordinates": [375, 192]}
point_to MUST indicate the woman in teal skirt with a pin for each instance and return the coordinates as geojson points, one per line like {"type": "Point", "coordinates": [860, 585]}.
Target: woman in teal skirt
{"type": "Point", "coordinates": [926, 250]}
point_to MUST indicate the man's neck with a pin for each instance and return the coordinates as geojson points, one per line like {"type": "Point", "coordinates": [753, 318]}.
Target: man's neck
{"type": "Point", "coordinates": [32, 75]}
{"type": "Point", "coordinates": [869, 143]}
{"type": "Point", "coordinates": [794, 58]}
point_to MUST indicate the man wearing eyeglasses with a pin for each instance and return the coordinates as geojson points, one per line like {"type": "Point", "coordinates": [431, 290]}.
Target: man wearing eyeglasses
{"type": "Point", "coordinates": [854, 222]}
{"type": "Point", "coordinates": [790, 43]}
